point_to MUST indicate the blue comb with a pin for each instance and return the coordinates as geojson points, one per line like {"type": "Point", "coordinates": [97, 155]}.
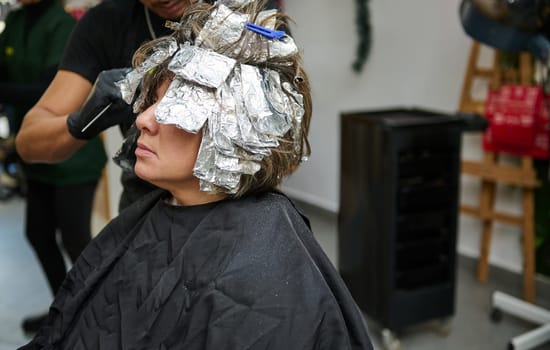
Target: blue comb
{"type": "Point", "coordinates": [268, 33]}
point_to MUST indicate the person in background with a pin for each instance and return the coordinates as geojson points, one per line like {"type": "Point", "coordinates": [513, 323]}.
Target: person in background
{"type": "Point", "coordinates": [59, 197]}
{"type": "Point", "coordinates": [104, 40]}
{"type": "Point", "coordinates": [217, 257]}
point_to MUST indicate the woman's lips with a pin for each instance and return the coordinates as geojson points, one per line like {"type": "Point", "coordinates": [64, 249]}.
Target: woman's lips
{"type": "Point", "coordinates": [170, 10]}
{"type": "Point", "coordinates": [143, 151]}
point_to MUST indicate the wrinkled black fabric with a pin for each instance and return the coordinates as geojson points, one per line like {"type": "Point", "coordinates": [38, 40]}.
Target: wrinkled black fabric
{"type": "Point", "coordinates": [236, 274]}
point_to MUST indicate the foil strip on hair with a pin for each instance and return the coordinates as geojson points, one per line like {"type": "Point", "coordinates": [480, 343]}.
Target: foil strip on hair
{"type": "Point", "coordinates": [236, 2]}
{"type": "Point", "coordinates": [236, 165]}
{"type": "Point", "coordinates": [228, 180]}
{"type": "Point", "coordinates": [204, 168]}
{"type": "Point", "coordinates": [186, 105]}
{"type": "Point", "coordinates": [269, 49]}
{"type": "Point", "coordinates": [254, 99]}
{"type": "Point", "coordinates": [208, 172]}
{"type": "Point", "coordinates": [130, 83]}
{"type": "Point", "coordinates": [206, 186]}
{"type": "Point", "coordinates": [297, 107]}
{"type": "Point", "coordinates": [251, 139]}
{"type": "Point", "coordinates": [203, 67]}
{"type": "Point", "coordinates": [228, 122]}
{"type": "Point", "coordinates": [229, 138]}
{"type": "Point", "coordinates": [278, 101]}
{"type": "Point", "coordinates": [285, 47]}
{"type": "Point", "coordinates": [223, 28]}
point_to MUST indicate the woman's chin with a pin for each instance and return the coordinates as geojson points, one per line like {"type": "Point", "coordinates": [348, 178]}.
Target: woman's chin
{"type": "Point", "coordinates": [141, 172]}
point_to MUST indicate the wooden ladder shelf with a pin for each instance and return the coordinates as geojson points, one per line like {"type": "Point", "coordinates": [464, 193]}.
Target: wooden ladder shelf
{"type": "Point", "coordinates": [492, 173]}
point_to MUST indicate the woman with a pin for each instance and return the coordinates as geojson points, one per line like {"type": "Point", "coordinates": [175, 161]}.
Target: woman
{"type": "Point", "coordinates": [217, 259]}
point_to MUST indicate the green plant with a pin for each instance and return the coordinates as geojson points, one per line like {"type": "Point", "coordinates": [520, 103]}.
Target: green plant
{"type": "Point", "coordinates": [364, 32]}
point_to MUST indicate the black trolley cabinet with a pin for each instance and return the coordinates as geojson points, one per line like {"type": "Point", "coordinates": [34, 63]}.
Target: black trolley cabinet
{"type": "Point", "coordinates": [397, 221]}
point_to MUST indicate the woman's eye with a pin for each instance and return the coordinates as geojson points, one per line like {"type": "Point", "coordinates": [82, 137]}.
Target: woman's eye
{"type": "Point", "coordinates": [148, 103]}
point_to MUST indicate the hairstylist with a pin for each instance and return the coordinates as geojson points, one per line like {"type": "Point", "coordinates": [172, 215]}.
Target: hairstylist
{"type": "Point", "coordinates": [103, 42]}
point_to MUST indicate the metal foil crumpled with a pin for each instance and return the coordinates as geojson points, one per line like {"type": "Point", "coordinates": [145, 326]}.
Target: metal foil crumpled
{"type": "Point", "coordinates": [236, 2]}
{"type": "Point", "coordinates": [225, 27]}
{"type": "Point", "coordinates": [186, 105]}
{"type": "Point", "coordinates": [241, 109]}
{"type": "Point", "coordinates": [130, 83]}
{"type": "Point", "coordinates": [233, 141]}
{"type": "Point", "coordinates": [250, 137]}
{"type": "Point", "coordinates": [201, 66]}
{"type": "Point", "coordinates": [206, 170]}
{"type": "Point", "coordinates": [244, 117]}
{"type": "Point", "coordinates": [296, 109]}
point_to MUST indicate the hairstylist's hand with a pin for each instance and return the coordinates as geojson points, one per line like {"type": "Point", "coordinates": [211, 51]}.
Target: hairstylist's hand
{"type": "Point", "coordinates": [103, 109]}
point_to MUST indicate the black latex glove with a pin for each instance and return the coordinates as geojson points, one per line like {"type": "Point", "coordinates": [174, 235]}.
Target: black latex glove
{"type": "Point", "coordinates": [106, 101]}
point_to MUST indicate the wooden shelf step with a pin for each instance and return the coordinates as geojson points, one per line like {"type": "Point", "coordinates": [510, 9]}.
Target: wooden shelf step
{"type": "Point", "coordinates": [494, 216]}
{"type": "Point", "coordinates": [501, 173]}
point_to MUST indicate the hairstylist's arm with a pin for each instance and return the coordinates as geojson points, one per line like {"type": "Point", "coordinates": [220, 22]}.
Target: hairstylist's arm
{"type": "Point", "coordinates": [103, 108]}
{"type": "Point", "coordinates": [44, 136]}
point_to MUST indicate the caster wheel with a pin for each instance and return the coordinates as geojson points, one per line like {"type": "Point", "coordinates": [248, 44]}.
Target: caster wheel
{"type": "Point", "coordinates": [496, 315]}
{"type": "Point", "coordinates": [390, 341]}
{"type": "Point", "coordinates": [511, 346]}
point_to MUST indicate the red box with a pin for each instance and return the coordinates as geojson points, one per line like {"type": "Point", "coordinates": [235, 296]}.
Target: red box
{"type": "Point", "coordinates": [518, 121]}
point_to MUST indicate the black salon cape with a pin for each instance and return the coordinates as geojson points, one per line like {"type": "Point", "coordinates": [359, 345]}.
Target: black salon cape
{"type": "Point", "coordinates": [237, 274]}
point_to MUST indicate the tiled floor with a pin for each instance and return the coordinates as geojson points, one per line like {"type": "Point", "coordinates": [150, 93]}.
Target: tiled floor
{"type": "Point", "coordinates": [23, 291]}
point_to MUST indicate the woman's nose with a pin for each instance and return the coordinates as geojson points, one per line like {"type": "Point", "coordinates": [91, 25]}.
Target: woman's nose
{"type": "Point", "coordinates": [146, 120]}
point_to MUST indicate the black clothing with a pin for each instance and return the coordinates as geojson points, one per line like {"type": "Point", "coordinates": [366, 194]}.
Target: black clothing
{"type": "Point", "coordinates": [32, 324]}
{"type": "Point", "coordinates": [59, 196]}
{"type": "Point", "coordinates": [235, 274]}
{"type": "Point", "coordinates": [106, 38]}
{"type": "Point", "coordinates": [33, 12]}
{"type": "Point", "coordinates": [27, 61]}
{"type": "Point", "coordinates": [24, 94]}
{"type": "Point", "coordinates": [27, 93]}
{"type": "Point", "coordinates": [67, 208]}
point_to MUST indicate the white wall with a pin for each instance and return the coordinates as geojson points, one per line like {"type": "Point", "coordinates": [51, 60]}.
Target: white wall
{"type": "Point", "coordinates": [418, 58]}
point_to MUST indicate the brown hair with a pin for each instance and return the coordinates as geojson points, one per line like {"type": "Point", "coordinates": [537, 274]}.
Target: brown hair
{"type": "Point", "coordinates": [286, 157]}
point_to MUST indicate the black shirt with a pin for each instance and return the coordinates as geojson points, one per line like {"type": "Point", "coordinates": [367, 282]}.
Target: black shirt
{"type": "Point", "coordinates": [106, 38]}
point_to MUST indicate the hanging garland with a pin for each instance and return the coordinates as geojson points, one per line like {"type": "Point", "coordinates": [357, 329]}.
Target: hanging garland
{"type": "Point", "coordinates": [362, 20]}
{"type": "Point", "coordinates": [364, 31]}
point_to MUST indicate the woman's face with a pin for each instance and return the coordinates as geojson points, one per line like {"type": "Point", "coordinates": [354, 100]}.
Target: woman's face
{"type": "Point", "coordinates": [166, 154]}
{"type": "Point", "coordinates": [167, 9]}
